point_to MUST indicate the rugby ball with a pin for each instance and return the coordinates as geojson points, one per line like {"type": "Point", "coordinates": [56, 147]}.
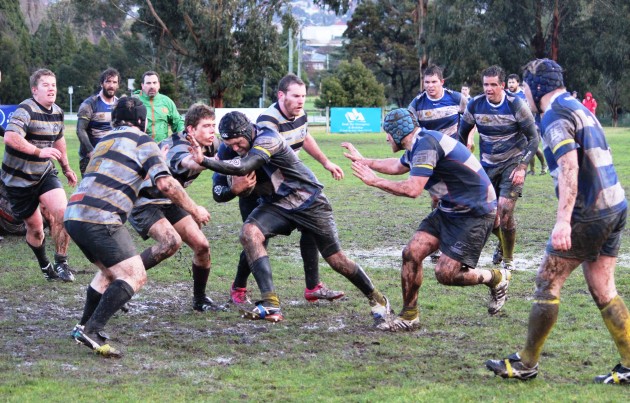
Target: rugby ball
{"type": "Point", "coordinates": [245, 193]}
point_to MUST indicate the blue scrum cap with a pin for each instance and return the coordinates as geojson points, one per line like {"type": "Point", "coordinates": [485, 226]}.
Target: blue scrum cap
{"type": "Point", "coordinates": [542, 76]}
{"type": "Point", "coordinates": [399, 123]}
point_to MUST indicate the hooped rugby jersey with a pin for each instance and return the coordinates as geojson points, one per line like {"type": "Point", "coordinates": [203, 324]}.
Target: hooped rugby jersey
{"type": "Point", "coordinates": [441, 114]}
{"type": "Point", "coordinates": [500, 128]}
{"type": "Point", "coordinates": [39, 126]}
{"type": "Point", "coordinates": [455, 176]}
{"type": "Point", "coordinates": [293, 130]}
{"type": "Point", "coordinates": [111, 184]}
{"type": "Point", "coordinates": [568, 125]}
{"type": "Point", "coordinates": [99, 115]}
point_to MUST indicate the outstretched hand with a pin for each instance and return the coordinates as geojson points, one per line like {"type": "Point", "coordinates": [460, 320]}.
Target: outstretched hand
{"type": "Point", "coordinates": [363, 172]}
{"type": "Point", "coordinates": [353, 154]}
{"type": "Point", "coordinates": [195, 150]}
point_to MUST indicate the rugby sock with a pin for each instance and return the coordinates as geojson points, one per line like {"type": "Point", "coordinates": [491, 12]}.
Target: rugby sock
{"type": "Point", "coordinates": [40, 253]}
{"type": "Point", "coordinates": [409, 312]}
{"type": "Point", "coordinates": [508, 240]}
{"type": "Point", "coordinates": [261, 269]}
{"type": "Point", "coordinates": [59, 258]}
{"type": "Point", "coordinates": [617, 320]}
{"type": "Point", "coordinates": [496, 278]}
{"type": "Point", "coordinates": [242, 272]}
{"type": "Point", "coordinates": [200, 279]}
{"type": "Point", "coordinates": [361, 281]}
{"type": "Point", "coordinates": [497, 232]}
{"type": "Point", "coordinates": [542, 318]}
{"type": "Point", "coordinates": [117, 294]}
{"type": "Point", "coordinates": [310, 257]}
{"type": "Point", "coordinates": [148, 259]}
{"type": "Point", "coordinates": [271, 299]}
{"type": "Point", "coordinates": [376, 297]}
{"type": "Point", "coordinates": [92, 299]}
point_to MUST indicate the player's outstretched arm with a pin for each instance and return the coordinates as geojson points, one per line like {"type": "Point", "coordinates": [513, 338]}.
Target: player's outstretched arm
{"type": "Point", "coordinates": [411, 187]}
{"type": "Point", "coordinates": [174, 191]}
{"type": "Point", "coordinates": [311, 147]}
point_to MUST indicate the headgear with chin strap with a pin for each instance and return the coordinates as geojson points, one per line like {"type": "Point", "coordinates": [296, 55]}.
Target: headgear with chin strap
{"type": "Point", "coordinates": [542, 76]}
{"type": "Point", "coordinates": [235, 124]}
{"type": "Point", "coordinates": [399, 123]}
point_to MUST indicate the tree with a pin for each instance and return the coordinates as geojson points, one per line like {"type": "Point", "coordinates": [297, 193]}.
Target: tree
{"type": "Point", "coordinates": [15, 54]}
{"type": "Point", "coordinates": [352, 84]}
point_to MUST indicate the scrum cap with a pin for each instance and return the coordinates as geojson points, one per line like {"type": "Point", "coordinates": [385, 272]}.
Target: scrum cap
{"type": "Point", "coordinates": [235, 124]}
{"type": "Point", "coordinates": [399, 123]}
{"type": "Point", "coordinates": [130, 110]}
{"type": "Point", "coordinates": [542, 76]}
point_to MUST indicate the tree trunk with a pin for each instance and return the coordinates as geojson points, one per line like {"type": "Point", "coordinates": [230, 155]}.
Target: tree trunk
{"type": "Point", "coordinates": [538, 41]}
{"type": "Point", "coordinates": [555, 42]}
{"type": "Point", "coordinates": [421, 13]}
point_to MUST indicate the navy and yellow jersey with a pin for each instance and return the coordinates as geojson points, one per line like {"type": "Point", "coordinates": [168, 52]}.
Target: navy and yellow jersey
{"type": "Point", "coordinates": [98, 114]}
{"type": "Point", "coordinates": [455, 176]}
{"type": "Point", "coordinates": [177, 146]}
{"type": "Point", "coordinates": [503, 129]}
{"type": "Point", "coordinates": [111, 184]}
{"type": "Point", "coordinates": [39, 126]}
{"type": "Point", "coordinates": [293, 130]}
{"type": "Point", "coordinates": [295, 186]}
{"type": "Point", "coordinates": [441, 114]}
{"type": "Point", "coordinates": [568, 125]}
{"type": "Point", "coordinates": [221, 186]}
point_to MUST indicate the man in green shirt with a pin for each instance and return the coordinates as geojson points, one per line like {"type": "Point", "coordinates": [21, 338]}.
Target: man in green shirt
{"type": "Point", "coordinates": [161, 110]}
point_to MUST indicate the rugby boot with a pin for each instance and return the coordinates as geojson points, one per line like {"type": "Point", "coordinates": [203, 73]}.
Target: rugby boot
{"type": "Point", "coordinates": [263, 311]}
{"type": "Point", "coordinates": [320, 291]}
{"type": "Point", "coordinates": [618, 375]}
{"type": "Point", "coordinates": [512, 367]}
{"type": "Point", "coordinates": [204, 304]}
{"type": "Point", "coordinates": [498, 293]}
{"type": "Point", "coordinates": [381, 313]}
{"type": "Point", "coordinates": [238, 295]}
{"type": "Point", "coordinates": [97, 341]}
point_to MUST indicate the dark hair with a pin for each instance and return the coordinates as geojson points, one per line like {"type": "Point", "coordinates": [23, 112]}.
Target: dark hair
{"type": "Point", "coordinates": [150, 73]}
{"type": "Point", "coordinates": [514, 77]}
{"type": "Point", "coordinates": [110, 72]}
{"type": "Point", "coordinates": [494, 71]}
{"type": "Point", "coordinates": [434, 70]}
{"type": "Point", "coordinates": [287, 81]}
{"type": "Point", "coordinates": [129, 111]}
{"type": "Point", "coordinates": [196, 112]}
{"type": "Point", "coordinates": [34, 80]}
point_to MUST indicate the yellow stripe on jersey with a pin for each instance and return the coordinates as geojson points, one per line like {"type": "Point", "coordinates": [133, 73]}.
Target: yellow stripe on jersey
{"type": "Point", "coordinates": [563, 142]}
{"type": "Point", "coordinates": [262, 149]}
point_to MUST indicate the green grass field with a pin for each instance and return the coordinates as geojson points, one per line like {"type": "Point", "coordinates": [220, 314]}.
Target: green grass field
{"type": "Point", "coordinates": [321, 352]}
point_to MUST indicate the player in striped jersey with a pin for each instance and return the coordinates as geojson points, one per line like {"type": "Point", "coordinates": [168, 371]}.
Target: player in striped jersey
{"type": "Point", "coordinates": [508, 140]}
{"type": "Point", "coordinates": [459, 226]}
{"type": "Point", "coordinates": [296, 201]}
{"type": "Point", "coordinates": [33, 140]}
{"type": "Point", "coordinates": [591, 216]}
{"type": "Point", "coordinates": [438, 108]}
{"type": "Point", "coordinates": [155, 216]}
{"type": "Point", "coordinates": [97, 212]}
{"type": "Point", "coordinates": [288, 117]}
{"type": "Point", "coordinates": [94, 118]}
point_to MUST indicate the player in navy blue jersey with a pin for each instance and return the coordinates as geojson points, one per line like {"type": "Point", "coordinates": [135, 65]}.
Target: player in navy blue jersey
{"type": "Point", "coordinates": [508, 140]}
{"type": "Point", "coordinates": [590, 219]}
{"type": "Point", "coordinates": [287, 117]}
{"type": "Point", "coordinates": [438, 108]}
{"type": "Point", "coordinates": [459, 226]}
{"type": "Point", "coordinates": [94, 118]}
{"type": "Point", "coordinates": [295, 201]}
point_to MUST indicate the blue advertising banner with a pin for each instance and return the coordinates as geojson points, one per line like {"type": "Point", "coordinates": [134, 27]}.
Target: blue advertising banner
{"type": "Point", "coordinates": [5, 114]}
{"type": "Point", "coordinates": [355, 120]}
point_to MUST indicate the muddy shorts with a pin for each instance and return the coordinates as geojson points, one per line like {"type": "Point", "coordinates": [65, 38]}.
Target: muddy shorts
{"type": "Point", "coordinates": [591, 239]}
{"type": "Point", "coordinates": [24, 201]}
{"type": "Point", "coordinates": [143, 217]}
{"type": "Point", "coordinates": [461, 237]}
{"type": "Point", "coordinates": [108, 243]}
{"type": "Point", "coordinates": [501, 182]}
{"type": "Point", "coordinates": [316, 219]}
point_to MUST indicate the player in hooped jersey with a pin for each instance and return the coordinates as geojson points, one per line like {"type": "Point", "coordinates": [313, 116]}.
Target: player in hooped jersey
{"type": "Point", "coordinates": [591, 216]}
{"type": "Point", "coordinates": [459, 226]}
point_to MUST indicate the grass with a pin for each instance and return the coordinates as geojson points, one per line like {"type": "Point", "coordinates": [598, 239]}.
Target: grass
{"type": "Point", "coordinates": [326, 352]}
